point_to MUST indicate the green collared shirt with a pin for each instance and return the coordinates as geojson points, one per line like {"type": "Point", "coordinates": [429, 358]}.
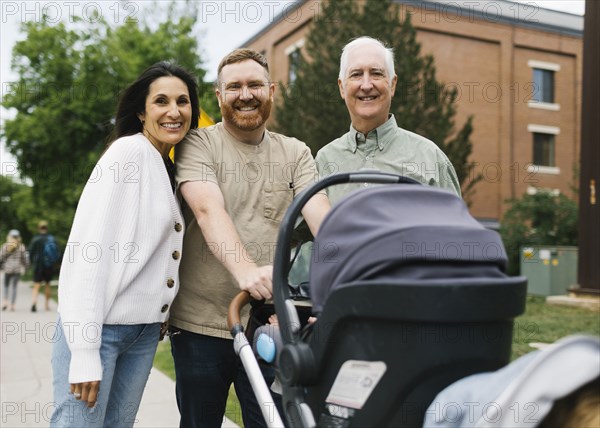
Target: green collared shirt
{"type": "Point", "coordinates": [387, 148]}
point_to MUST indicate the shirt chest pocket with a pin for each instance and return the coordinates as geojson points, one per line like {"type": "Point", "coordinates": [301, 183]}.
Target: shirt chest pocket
{"type": "Point", "coordinates": [277, 196]}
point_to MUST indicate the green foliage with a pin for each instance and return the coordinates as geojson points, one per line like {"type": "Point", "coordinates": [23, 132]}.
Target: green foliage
{"type": "Point", "coordinates": [66, 96]}
{"type": "Point", "coordinates": [208, 101]}
{"type": "Point", "coordinates": [9, 208]}
{"type": "Point", "coordinates": [19, 210]}
{"type": "Point", "coordinates": [539, 219]}
{"type": "Point", "coordinates": [313, 111]}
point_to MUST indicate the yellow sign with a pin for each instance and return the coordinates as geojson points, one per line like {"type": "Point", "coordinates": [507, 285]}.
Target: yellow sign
{"type": "Point", "coordinates": [204, 120]}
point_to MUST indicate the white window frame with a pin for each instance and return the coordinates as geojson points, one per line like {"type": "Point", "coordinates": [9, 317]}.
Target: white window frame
{"type": "Point", "coordinates": [299, 44]}
{"type": "Point", "coordinates": [533, 190]}
{"type": "Point", "coordinates": [543, 129]}
{"type": "Point", "coordinates": [543, 65]}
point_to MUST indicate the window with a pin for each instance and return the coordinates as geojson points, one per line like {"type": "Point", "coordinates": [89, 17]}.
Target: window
{"type": "Point", "coordinates": [543, 81]}
{"type": "Point", "coordinates": [295, 59]}
{"type": "Point", "coordinates": [543, 149]}
{"type": "Point", "coordinates": [543, 86]}
{"type": "Point", "coordinates": [293, 52]}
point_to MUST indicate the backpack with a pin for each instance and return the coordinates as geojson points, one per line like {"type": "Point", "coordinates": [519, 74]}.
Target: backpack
{"type": "Point", "coordinates": [50, 253]}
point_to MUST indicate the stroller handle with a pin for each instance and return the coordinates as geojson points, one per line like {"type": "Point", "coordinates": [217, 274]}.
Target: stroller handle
{"type": "Point", "coordinates": [281, 264]}
{"type": "Point", "coordinates": [234, 322]}
{"type": "Point", "coordinates": [243, 349]}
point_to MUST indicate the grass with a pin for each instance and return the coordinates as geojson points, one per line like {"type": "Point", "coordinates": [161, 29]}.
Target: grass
{"type": "Point", "coordinates": [163, 361]}
{"type": "Point", "coordinates": [544, 323]}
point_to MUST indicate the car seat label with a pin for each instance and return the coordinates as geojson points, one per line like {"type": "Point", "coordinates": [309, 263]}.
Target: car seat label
{"type": "Point", "coordinates": [355, 382]}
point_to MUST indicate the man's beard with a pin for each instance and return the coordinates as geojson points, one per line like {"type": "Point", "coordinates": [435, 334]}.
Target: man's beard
{"type": "Point", "coordinates": [244, 121]}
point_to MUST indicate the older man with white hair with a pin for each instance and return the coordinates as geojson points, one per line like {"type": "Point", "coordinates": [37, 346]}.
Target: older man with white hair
{"type": "Point", "coordinates": [367, 82]}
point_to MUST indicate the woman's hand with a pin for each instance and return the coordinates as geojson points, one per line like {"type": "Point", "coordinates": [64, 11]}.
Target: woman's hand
{"type": "Point", "coordinates": [86, 391]}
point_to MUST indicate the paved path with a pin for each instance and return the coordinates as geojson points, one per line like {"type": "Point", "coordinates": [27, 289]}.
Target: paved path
{"type": "Point", "coordinates": [26, 372]}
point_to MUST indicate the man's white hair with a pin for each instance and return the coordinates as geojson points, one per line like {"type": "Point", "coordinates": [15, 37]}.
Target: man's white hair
{"type": "Point", "coordinates": [364, 40]}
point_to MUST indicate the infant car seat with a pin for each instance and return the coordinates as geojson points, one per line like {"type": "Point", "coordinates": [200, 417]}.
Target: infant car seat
{"type": "Point", "coordinates": [411, 295]}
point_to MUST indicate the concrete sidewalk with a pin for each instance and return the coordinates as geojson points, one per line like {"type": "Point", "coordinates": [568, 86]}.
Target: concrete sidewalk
{"type": "Point", "coordinates": [26, 372]}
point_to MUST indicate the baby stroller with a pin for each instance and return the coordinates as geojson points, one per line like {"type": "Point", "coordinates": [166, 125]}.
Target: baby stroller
{"type": "Point", "coordinates": [410, 294]}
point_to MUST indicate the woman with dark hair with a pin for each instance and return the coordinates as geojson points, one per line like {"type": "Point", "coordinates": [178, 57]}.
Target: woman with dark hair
{"type": "Point", "coordinates": [119, 273]}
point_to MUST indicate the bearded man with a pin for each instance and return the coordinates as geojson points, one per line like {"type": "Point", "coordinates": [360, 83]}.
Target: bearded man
{"type": "Point", "coordinates": [237, 180]}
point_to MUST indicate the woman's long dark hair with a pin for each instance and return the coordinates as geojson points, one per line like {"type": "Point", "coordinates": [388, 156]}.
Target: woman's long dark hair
{"type": "Point", "coordinates": [133, 99]}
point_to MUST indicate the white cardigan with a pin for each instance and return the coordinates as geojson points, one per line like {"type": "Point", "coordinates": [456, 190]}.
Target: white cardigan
{"type": "Point", "coordinates": [121, 263]}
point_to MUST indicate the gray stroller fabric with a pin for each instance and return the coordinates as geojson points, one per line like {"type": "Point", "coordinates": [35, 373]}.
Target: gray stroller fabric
{"type": "Point", "coordinates": [401, 231]}
{"type": "Point", "coordinates": [520, 394]}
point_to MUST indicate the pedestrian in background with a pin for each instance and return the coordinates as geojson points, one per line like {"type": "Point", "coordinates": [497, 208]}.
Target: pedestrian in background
{"type": "Point", "coordinates": [43, 266]}
{"type": "Point", "coordinates": [14, 260]}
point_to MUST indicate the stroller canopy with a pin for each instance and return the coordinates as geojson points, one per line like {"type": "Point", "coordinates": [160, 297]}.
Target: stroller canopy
{"type": "Point", "coordinates": [401, 231]}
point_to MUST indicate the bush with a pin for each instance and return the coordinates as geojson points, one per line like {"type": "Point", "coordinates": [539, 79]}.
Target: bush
{"type": "Point", "coordinates": [540, 219]}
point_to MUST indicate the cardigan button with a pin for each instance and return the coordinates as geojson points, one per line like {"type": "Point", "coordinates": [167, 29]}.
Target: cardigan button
{"type": "Point", "coordinates": [164, 308]}
{"type": "Point", "coordinates": [178, 227]}
{"type": "Point", "coordinates": [175, 255]}
{"type": "Point", "coordinates": [170, 282]}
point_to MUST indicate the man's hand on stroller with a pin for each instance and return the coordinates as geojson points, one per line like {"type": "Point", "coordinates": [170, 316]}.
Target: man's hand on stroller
{"type": "Point", "coordinates": [257, 281]}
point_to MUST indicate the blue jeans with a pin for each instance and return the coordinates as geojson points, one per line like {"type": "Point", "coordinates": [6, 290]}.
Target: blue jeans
{"type": "Point", "coordinates": [205, 368]}
{"type": "Point", "coordinates": [11, 279]}
{"type": "Point", "coordinates": [127, 353]}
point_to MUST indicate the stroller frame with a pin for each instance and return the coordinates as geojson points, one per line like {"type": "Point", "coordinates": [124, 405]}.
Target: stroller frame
{"type": "Point", "coordinates": [299, 359]}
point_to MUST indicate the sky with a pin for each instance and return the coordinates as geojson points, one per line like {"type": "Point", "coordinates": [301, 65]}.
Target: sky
{"type": "Point", "coordinates": [223, 25]}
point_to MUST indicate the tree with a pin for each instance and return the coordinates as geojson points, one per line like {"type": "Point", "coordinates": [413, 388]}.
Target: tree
{"type": "Point", "coordinates": [66, 95]}
{"type": "Point", "coordinates": [539, 219]}
{"type": "Point", "coordinates": [313, 111]}
{"type": "Point", "coordinates": [10, 207]}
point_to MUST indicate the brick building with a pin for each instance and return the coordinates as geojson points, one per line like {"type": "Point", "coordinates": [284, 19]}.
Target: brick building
{"type": "Point", "coordinates": [517, 69]}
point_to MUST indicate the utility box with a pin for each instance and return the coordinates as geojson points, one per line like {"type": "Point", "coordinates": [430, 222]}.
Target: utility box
{"type": "Point", "coordinates": [550, 271]}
